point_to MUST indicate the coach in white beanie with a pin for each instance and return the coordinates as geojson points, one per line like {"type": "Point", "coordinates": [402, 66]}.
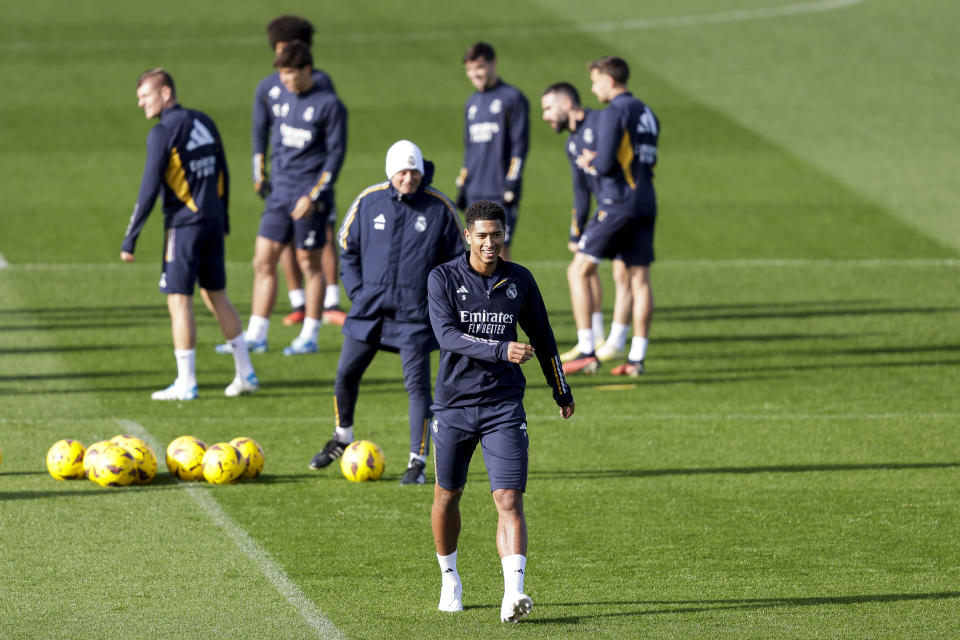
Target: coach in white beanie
{"type": "Point", "coordinates": [402, 155]}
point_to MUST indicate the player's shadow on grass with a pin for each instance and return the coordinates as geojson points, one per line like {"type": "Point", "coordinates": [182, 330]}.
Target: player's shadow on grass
{"type": "Point", "coordinates": [805, 314]}
{"type": "Point", "coordinates": [674, 607]}
{"type": "Point", "coordinates": [77, 376]}
{"type": "Point", "coordinates": [93, 311]}
{"type": "Point", "coordinates": [696, 471]}
{"type": "Point", "coordinates": [78, 348]}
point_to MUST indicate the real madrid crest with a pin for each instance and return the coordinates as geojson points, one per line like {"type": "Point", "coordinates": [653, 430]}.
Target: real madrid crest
{"type": "Point", "coordinates": [588, 135]}
{"type": "Point", "coordinates": [511, 291]}
{"type": "Point", "coordinates": [472, 112]}
{"type": "Point", "coordinates": [496, 106]}
{"type": "Point", "coordinates": [308, 114]}
{"type": "Point", "coordinates": [274, 92]}
{"type": "Point", "coordinates": [420, 224]}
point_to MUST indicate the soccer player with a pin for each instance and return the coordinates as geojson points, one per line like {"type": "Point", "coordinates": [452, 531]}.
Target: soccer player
{"type": "Point", "coordinates": [310, 129]}
{"type": "Point", "coordinates": [185, 159]}
{"type": "Point", "coordinates": [627, 134]}
{"type": "Point", "coordinates": [496, 137]}
{"type": "Point", "coordinates": [561, 108]}
{"type": "Point", "coordinates": [476, 302]}
{"type": "Point", "coordinates": [267, 99]}
{"type": "Point", "coordinates": [393, 235]}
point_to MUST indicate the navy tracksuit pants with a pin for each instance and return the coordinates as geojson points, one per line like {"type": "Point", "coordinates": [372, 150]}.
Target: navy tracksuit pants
{"type": "Point", "coordinates": [355, 357]}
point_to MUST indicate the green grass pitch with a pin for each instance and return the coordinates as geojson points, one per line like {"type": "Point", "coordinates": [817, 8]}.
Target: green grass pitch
{"type": "Point", "coordinates": [786, 469]}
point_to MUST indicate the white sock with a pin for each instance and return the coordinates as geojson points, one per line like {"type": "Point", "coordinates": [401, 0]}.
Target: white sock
{"type": "Point", "coordinates": [585, 340]}
{"type": "Point", "coordinates": [241, 357]}
{"type": "Point", "coordinates": [331, 297]}
{"type": "Point", "coordinates": [513, 569]}
{"type": "Point", "coordinates": [618, 335]}
{"type": "Point", "coordinates": [311, 328]}
{"type": "Point", "coordinates": [343, 434]}
{"type": "Point", "coordinates": [638, 349]}
{"type": "Point", "coordinates": [297, 298]}
{"type": "Point", "coordinates": [596, 324]}
{"type": "Point", "coordinates": [414, 456]}
{"type": "Point", "coordinates": [257, 329]}
{"type": "Point", "coordinates": [186, 367]}
{"type": "Point", "coordinates": [448, 568]}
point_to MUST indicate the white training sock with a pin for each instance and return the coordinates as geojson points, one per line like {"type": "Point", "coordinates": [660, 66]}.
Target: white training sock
{"type": "Point", "coordinates": [448, 568]}
{"type": "Point", "coordinates": [186, 367]}
{"type": "Point", "coordinates": [618, 335]}
{"type": "Point", "coordinates": [297, 298]}
{"type": "Point", "coordinates": [638, 349]}
{"type": "Point", "coordinates": [257, 329]}
{"type": "Point", "coordinates": [331, 296]}
{"type": "Point", "coordinates": [311, 327]}
{"type": "Point", "coordinates": [343, 434]}
{"type": "Point", "coordinates": [585, 340]}
{"type": "Point", "coordinates": [414, 456]}
{"type": "Point", "coordinates": [596, 324]}
{"type": "Point", "coordinates": [241, 357]}
{"type": "Point", "coordinates": [513, 569]}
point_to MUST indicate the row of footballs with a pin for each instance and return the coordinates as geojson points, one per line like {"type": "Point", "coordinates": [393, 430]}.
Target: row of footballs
{"type": "Point", "coordinates": [124, 460]}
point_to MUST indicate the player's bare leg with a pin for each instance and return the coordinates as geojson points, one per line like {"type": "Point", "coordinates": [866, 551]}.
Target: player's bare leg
{"type": "Point", "coordinates": [306, 342]}
{"type": "Point", "coordinates": [579, 272]}
{"type": "Point", "coordinates": [642, 318]}
{"type": "Point", "coordinates": [614, 347]}
{"type": "Point", "coordinates": [245, 380]}
{"type": "Point", "coordinates": [330, 262]}
{"type": "Point", "coordinates": [445, 522]}
{"type": "Point", "coordinates": [184, 330]}
{"type": "Point", "coordinates": [512, 546]}
{"type": "Point", "coordinates": [294, 278]}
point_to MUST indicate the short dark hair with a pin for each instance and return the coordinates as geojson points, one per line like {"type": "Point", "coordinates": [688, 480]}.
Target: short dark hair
{"type": "Point", "coordinates": [289, 28]}
{"type": "Point", "coordinates": [296, 54]}
{"type": "Point", "coordinates": [479, 50]}
{"type": "Point", "coordinates": [158, 77]}
{"type": "Point", "coordinates": [564, 89]}
{"type": "Point", "coordinates": [612, 66]}
{"type": "Point", "coordinates": [484, 210]}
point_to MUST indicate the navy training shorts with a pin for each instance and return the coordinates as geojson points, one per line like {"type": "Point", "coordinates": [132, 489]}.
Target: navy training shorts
{"type": "Point", "coordinates": [193, 254]}
{"type": "Point", "coordinates": [501, 431]}
{"type": "Point", "coordinates": [621, 236]}
{"type": "Point", "coordinates": [307, 233]}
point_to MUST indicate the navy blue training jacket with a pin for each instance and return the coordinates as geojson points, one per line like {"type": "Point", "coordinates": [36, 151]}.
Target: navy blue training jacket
{"type": "Point", "coordinates": [475, 318]}
{"type": "Point", "coordinates": [185, 159]}
{"type": "Point", "coordinates": [388, 245]}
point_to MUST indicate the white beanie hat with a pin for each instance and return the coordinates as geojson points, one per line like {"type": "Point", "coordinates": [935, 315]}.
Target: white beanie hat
{"type": "Point", "coordinates": [403, 155]}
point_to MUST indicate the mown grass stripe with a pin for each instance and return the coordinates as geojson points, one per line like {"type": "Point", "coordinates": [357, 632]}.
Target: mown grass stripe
{"type": "Point", "coordinates": [520, 31]}
{"type": "Point", "coordinates": [260, 557]}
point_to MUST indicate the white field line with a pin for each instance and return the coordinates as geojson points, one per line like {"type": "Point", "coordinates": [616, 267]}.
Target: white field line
{"type": "Point", "coordinates": [311, 614]}
{"type": "Point", "coordinates": [774, 263]}
{"type": "Point", "coordinates": [3, 263]}
{"type": "Point", "coordinates": [521, 31]}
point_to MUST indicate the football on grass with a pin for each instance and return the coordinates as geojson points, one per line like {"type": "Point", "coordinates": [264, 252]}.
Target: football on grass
{"type": "Point", "coordinates": [362, 461]}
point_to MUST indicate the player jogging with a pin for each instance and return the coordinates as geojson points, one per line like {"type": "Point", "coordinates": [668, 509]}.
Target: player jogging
{"type": "Point", "coordinates": [185, 159]}
{"type": "Point", "coordinates": [476, 303]}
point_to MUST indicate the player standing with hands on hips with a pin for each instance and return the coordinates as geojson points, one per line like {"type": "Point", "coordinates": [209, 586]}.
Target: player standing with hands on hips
{"type": "Point", "coordinates": [185, 159]}
{"type": "Point", "coordinates": [476, 303]}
